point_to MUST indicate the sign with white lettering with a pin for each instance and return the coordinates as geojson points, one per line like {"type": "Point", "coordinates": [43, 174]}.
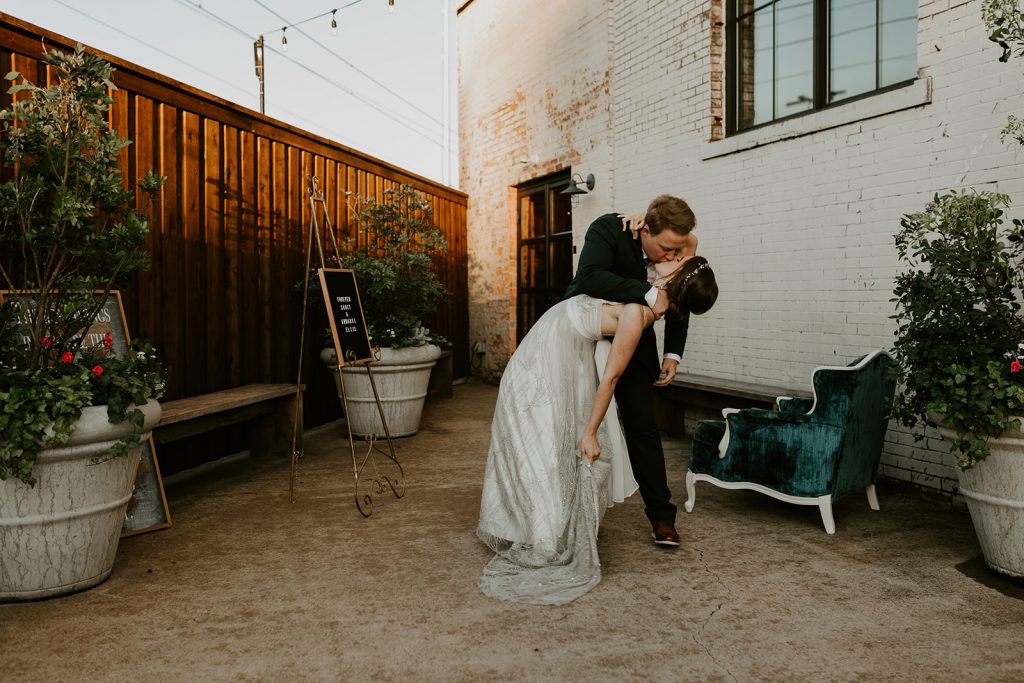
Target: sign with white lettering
{"type": "Point", "coordinates": [345, 313]}
{"type": "Point", "coordinates": [109, 320]}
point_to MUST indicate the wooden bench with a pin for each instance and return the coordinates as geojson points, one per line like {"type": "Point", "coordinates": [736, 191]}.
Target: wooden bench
{"type": "Point", "coordinates": [268, 408]}
{"type": "Point", "coordinates": [710, 395]}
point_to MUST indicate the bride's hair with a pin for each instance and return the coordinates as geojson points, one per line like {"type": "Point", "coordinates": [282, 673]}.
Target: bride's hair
{"type": "Point", "coordinates": [693, 289]}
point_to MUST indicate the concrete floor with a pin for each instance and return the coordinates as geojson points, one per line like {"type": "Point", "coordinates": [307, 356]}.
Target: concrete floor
{"type": "Point", "coordinates": [249, 587]}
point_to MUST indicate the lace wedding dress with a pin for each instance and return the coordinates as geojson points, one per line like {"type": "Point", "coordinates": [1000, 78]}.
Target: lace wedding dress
{"type": "Point", "coordinates": [541, 507]}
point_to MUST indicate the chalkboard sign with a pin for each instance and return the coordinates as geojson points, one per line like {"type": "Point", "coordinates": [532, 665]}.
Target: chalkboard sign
{"type": "Point", "coordinates": [148, 509]}
{"type": "Point", "coordinates": [345, 312]}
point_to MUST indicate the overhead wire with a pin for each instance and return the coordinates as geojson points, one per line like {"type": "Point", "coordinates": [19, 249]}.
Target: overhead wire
{"type": "Point", "coordinates": [395, 116]}
{"type": "Point", "coordinates": [294, 115]}
{"type": "Point", "coordinates": [339, 57]}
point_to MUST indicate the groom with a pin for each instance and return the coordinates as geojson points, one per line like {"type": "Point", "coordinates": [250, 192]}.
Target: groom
{"type": "Point", "coordinates": [613, 266]}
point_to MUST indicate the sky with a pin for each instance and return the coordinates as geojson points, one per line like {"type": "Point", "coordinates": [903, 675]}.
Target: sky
{"type": "Point", "coordinates": [377, 86]}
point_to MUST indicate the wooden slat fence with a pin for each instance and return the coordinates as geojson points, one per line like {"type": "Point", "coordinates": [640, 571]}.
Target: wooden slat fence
{"type": "Point", "coordinates": [230, 228]}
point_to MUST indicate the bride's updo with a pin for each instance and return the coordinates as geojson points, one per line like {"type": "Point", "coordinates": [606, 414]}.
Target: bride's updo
{"type": "Point", "coordinates": [693, 289]}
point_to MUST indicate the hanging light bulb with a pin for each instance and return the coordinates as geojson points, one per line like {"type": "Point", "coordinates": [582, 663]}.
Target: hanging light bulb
{"type": "Point", "coordinates": [391, 6]}
{"type": "Point", "coordinates": [334, 23]}
{"type": "Point", "coordinates": [284, 39]}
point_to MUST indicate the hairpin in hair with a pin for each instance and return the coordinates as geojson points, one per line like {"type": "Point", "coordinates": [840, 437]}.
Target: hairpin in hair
{"type": "Point", "coordinates": [695, 271]}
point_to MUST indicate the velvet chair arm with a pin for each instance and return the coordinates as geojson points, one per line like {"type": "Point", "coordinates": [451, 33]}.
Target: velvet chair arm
{"type": "Point", "coordinates": [797, 406]}
{"type": "Point", "coordinates": [792, 454]}
{"type": "Point", "coordinates": [754, 418]}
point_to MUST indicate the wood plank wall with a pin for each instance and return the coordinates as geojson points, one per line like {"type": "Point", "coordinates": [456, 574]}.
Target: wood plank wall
{"type": "Point", "coordinates": [229, 231]}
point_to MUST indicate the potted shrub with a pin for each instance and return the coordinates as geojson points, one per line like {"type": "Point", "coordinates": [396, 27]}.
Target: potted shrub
{"type": "Point", "coordinates": [959, 331]}
{"type": "Point", "coordinates": [72, 415]}
{"type": "Point", "coordinates": [392, 257]}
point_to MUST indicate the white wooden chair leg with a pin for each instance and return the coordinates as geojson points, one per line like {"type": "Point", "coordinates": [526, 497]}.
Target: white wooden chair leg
{"type": "Point", "coordinates": [872, 497]}
{"type": "Point", "coordinates": [825, 506]}
{"type": "Point", "coordinates": [691, 493]}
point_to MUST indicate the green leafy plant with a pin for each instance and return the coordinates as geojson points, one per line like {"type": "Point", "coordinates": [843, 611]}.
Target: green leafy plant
{"type": "Point", "coordinates": [69, 229]}
{"type": "Point", "coordinates": [392, 257]}
{"type": "Point", "coordinates": [959, 319]}
{"type": "Point", "coordinates": [1005, 23]}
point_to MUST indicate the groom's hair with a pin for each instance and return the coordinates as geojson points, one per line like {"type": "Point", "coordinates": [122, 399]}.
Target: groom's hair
{"type": "Point", "coordinates": [670, 213]}
{"type": "Point", "coordinates": [693, 289]}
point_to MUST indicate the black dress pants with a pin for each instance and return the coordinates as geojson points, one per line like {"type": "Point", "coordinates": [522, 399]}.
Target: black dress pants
{"type": "Point", "coordinates": [635, 396]}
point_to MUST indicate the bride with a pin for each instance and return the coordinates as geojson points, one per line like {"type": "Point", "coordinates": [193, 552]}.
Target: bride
{"type": "Point", "coordinates": [557, 458]}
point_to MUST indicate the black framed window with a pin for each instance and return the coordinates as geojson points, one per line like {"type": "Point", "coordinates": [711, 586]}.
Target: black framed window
{"type": "Point", "coordinates": [788, 57]}
{"type": "Point", "coordinates": [545, 248]}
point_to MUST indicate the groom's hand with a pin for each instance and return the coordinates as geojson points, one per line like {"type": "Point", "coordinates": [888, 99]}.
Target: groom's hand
{"type": "Point", "coordinates": [668, 372]}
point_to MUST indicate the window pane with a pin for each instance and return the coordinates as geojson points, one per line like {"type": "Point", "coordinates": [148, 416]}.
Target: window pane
{"type": "Point", "coordinates": [532, 215]}
{"type": "Point", "coordinates": [851, 48]}
{"type": "Point", "coordinates": [899, 41]}
{"type": "Point", "coordinates": [532, 265]}
{"type": "Point", "coordinates": [754, 59]}
{"type": "Point", "coordinates": [561, 212]}
{"type": "Point", "coordinates": [794, 56]}
{"type": "Point", "coordinates": [561, 264]}
{"type": "Point", "coordinates": [528, 312]}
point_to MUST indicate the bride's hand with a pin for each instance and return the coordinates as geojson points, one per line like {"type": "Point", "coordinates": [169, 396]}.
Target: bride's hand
{"type": "Point", "coordinates": [633, 222]}
{"type": "Point", "coordinates": [590, 448]}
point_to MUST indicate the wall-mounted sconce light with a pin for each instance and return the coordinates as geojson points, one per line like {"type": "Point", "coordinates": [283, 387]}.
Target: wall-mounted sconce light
{"type": "Point", "coordinates": [574, 185]}
{"type": "Point", "coordinates": [573, 189]}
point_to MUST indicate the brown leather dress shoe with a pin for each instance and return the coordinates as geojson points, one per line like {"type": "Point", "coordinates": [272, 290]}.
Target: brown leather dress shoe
{"type": "Point", "coordinates": [665, 533]}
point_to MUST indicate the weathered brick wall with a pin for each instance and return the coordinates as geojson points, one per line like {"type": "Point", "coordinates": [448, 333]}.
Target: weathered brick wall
{"type": "Point", "coordinates": [534, 99]}
{"type": "Point", "coordinates": [799, 229]}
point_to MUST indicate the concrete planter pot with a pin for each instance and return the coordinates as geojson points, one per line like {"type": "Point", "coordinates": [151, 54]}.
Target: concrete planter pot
{"type": "Point", "coordinates": [402, 377]}
{"type": "Point", "coordinates": [994, 491]}
{"type": "Point", "coordinates": [61, 535]}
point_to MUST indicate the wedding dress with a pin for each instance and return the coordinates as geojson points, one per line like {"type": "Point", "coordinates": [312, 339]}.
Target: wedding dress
{"type": "Point", "coordinates": [541, 507]}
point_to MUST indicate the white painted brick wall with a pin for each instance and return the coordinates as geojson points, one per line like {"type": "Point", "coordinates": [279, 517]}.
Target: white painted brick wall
{"type": "Point", "coordinates": [799, 231]}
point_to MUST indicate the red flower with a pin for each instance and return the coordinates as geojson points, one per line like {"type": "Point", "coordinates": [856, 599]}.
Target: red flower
{"type": "Point", "coordinates": [98, 371]}
{"type": "Point", "coordinates": [1015, 366]}
{"type": "Point", "coordinates": [67, 357]}
{"type": "Point", "coordinates": [47, 342]}
{"type": "Point", "coordinates": [108, 341]}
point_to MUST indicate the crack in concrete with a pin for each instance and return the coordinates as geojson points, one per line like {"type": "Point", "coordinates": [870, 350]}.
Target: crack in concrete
{"type": "Point", "coordinates": [711, 615]}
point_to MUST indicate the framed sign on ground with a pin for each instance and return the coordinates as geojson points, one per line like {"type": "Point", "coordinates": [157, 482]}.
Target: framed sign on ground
{"type": "Point", "coordinates": [345, 314]}
{"type": "Point", "coordinates": [148, 510]}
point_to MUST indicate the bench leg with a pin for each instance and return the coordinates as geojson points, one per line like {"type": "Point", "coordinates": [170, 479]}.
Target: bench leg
{"type": "Point", "coordinates": [272, 435]}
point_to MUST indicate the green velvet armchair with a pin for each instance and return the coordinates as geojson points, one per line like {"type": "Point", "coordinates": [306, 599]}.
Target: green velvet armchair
{"type": "Point", "coordinates": [809, 451]}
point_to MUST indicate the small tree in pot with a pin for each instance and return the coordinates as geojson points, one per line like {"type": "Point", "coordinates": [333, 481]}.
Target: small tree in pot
{"type": "Point", "coordinates": [392, 256]}
{"type": "Point", "coordinates": [71, 231]}
{"type": "Point", "coordinates": [958, 344]}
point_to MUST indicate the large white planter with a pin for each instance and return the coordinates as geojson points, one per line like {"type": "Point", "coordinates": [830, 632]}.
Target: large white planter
{"type": "Point", "coordinates": [994, 491]}
{"type": "Point", "coordinates": [61, 535]}
{"type": "Point", "coordinates": [402, 377]}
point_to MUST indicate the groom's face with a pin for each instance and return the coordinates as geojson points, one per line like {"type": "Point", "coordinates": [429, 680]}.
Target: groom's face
{"type": "Point", "coordinates": [667, 245]}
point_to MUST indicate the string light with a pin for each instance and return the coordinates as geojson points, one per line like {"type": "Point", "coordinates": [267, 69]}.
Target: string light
{"type": "Point", "coordinates": [334, 23]}
{"type": "Point", "coordinates": [284, 39]}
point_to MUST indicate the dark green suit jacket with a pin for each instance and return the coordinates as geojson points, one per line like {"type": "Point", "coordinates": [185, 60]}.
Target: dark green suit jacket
{"type": "Point", "coordinates": [611, 267]}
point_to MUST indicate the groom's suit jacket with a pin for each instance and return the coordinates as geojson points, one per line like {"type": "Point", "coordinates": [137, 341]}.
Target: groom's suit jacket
{"type": "Point", "coordinates": [611, 267]}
